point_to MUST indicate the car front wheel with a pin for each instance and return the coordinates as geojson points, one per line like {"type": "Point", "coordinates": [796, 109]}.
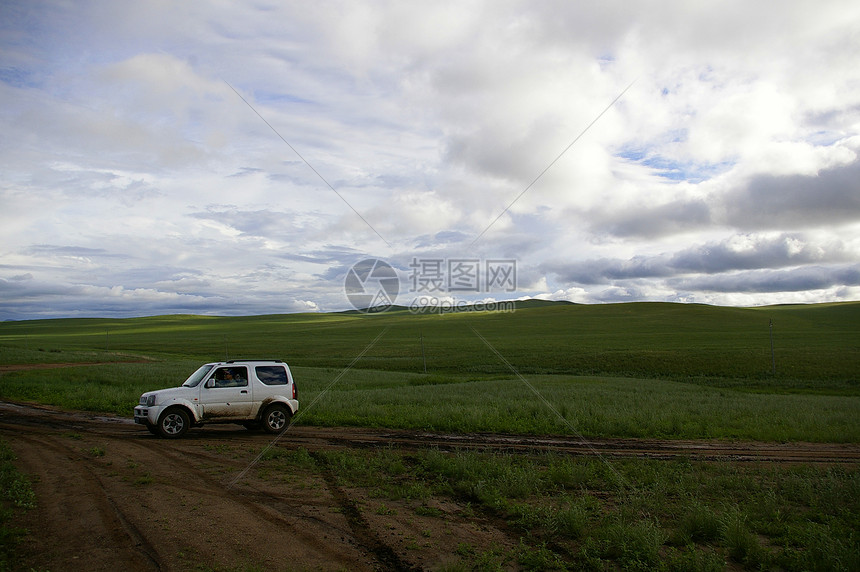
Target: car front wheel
{"type": "Point", "coordinates": [173, 423]}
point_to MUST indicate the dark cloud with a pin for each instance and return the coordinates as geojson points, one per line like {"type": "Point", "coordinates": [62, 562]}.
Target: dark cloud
{"type": "Point", "coordinates": [796, 201]}
{"type": "Point", "coordinates": [749, 251]}
{"type": "Point", "coordinates": [661, 220]}
{"type": "Point", "coordinates": [765, 202]}
{"type": "Point", "coordinates": [742, 263]}
{"type": "Point", "coordinates": [789, 280]}
{"type": "Point", "coordinates": [602, 270]}
{"type": "Point", "coordinates": [52, 300]}
{"type": "Point", "coordinates": [831, 121]}
{"type": "Point", "coordinates": [14, 291]}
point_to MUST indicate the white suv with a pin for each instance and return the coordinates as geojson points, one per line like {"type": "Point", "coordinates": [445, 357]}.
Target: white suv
{"type": "Point", "coordinates": [254, 393]}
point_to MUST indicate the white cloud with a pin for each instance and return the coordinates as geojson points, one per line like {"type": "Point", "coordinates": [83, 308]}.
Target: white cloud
{"type": "Point", "coordinates": [133, 179]}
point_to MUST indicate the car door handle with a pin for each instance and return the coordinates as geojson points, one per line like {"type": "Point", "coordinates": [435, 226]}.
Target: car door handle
{"type": "Point", "coordinates": [244, 391]}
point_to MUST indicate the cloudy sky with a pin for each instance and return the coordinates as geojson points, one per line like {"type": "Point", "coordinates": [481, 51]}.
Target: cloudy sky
{"type": "Point", "coordinates": [239, 157]}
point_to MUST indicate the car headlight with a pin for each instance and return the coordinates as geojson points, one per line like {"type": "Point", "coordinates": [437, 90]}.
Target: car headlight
{"type": "Point", "coordinates": [150, 400]}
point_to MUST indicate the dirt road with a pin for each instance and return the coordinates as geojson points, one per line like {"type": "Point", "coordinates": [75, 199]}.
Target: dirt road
{"type": "Point", "coordinates": [112, 496]}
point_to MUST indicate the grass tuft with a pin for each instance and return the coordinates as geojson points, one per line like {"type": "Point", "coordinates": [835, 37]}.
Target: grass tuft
{"type": "Point", "coordinates": [17, 494]}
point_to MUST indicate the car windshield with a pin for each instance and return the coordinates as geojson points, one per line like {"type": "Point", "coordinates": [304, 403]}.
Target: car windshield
{"type": "Point", "coordinates": [198, 376]}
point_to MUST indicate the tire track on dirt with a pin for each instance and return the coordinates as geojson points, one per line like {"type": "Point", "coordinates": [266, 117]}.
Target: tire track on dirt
{"type": "Point", "coordinates": [361, 529]}
{"type": "Point", "coordinates": [660, 449]}
{"type": "Point", "coordinates": [281, 513]}
{"type": "Point", "coordinates": [181, 453]}
{"type": "Point", "coordinates": [166, 504]}
{"type": "Point", "coordinates": [277, 508]}
{"type": "Point", "coordinates": [151, 489]}
{"type": "Point", "coordinates": [65, 473]}
{"type": "Point", "coordinates": [312, 438]}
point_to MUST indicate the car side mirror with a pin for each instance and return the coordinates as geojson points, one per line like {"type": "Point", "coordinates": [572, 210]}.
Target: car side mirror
{"type": "Point", "coordinates": [210, 383]}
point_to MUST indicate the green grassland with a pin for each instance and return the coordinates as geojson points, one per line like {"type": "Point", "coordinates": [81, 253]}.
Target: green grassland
{"type": "Point", "coordinates": [575, 513]}
{"type": "Point", "coordinates": [636, 370]}
{"type": "Point", "coordinates": [813, 343]}
{"type": "Point", "coordinates": [625, 370]}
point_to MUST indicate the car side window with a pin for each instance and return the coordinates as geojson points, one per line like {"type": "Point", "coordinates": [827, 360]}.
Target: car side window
{"type": "Point", "coordinates": [272, 374]}
{"type": "Point", "coordinates": [231, 377]}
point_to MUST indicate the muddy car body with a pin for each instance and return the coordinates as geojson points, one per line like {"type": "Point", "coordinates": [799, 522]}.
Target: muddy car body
{"type": "Point", "coordinates": [254, 393]}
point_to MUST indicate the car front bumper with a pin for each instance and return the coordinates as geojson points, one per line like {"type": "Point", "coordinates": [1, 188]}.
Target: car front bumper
{"type": "Point", "coordinates": [142, 415]}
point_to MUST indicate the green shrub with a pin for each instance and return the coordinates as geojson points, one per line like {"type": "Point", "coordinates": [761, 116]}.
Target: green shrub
{"type": "Point", "coordinates": [697, 524]}
{"type": "Point", "coordinates": [742, 544]}
{"type": "Point", "coordinates": [633, 544]}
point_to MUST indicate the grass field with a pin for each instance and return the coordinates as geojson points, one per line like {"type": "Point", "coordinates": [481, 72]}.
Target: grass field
{"type": "Point", "coordinates": [626, 370]}
{"type": "Point", "coordinates": [816, 343]}
{"type": "Point", "coordinates": [585, 514]}
{"type": "Point", "coordinates": [623, 370]}
{"type": "Point", "coordinates": [16, 495]}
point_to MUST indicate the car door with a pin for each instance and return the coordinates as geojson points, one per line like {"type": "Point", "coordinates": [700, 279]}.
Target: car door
{"type": "Point", "coordinates": [226, 394]}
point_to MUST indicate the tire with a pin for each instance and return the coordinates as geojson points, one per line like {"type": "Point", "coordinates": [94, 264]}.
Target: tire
{"type": "Point", "coordinates": [276, 418]}
{"type": "Point", "coordinates": [173, 423]}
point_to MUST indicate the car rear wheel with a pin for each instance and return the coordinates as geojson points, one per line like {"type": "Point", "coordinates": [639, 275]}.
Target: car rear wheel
{"type": "Point", "coordinates": [173, 423]}
{"type": "Point", "coordinates": [276, 418]}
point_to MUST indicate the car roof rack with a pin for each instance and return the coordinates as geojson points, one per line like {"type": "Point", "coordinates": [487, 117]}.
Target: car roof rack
{"type": "Point", "coordinates": [247, 360]}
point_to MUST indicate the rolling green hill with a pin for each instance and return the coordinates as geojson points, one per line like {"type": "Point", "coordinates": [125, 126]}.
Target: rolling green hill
{"type": "Point", "coordinates": [815, 343]}
{"type": "Point", "coordinates": [620, 370]}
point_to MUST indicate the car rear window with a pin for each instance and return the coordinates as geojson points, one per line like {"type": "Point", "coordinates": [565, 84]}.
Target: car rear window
{"type": "Point", "coordinates": [272, 374]}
